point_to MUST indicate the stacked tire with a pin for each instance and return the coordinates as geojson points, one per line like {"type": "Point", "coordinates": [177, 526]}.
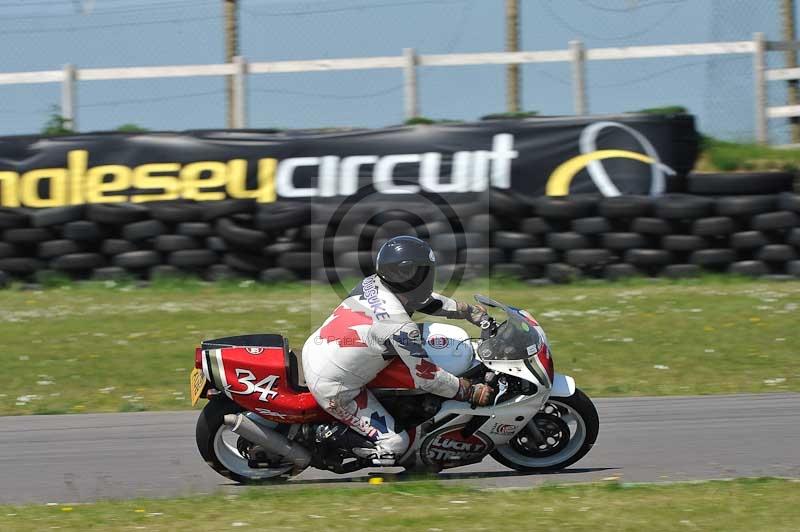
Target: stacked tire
{"type": "Point", "coordinates": [551, 239]}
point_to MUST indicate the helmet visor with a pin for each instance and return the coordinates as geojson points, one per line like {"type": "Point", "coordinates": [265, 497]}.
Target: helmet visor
{"type": "Point", "coordinates": [412, 281]}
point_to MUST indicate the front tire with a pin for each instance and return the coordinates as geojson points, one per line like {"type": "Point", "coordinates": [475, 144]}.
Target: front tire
{"type": "Point", "coordinates": [218, 446]}
{"type": "Point", "coordinates": [570, 426]}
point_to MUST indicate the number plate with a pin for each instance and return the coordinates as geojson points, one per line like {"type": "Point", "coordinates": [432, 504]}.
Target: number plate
{"type": "Point", "coordinates": [197, 383]}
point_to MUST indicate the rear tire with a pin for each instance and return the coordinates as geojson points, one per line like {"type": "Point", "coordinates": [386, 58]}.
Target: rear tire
{"type": "Point", "coordinates": [587, 424]}
{"type": "Point", "coordinates": [210, 428]}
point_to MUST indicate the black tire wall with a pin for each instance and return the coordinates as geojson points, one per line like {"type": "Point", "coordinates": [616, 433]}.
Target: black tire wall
{"type": "Point", "coordinates": [555, 239]}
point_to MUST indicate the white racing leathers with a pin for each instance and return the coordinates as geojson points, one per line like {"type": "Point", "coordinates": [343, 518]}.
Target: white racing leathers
{"type": "Point", "coordinates": [362, 336]}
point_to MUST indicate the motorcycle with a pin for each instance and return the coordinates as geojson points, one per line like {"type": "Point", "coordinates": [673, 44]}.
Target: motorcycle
{"type": "Point", "coordinates": [260, 422]}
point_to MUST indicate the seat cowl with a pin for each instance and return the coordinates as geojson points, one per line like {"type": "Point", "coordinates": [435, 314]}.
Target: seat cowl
{"type": "Point", "coordinates": [296, 375]}
{"type": "Point", "coordinates": [245, 340]}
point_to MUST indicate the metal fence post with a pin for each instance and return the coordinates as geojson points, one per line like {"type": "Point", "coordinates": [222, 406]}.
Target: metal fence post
{"type": "Point", "coordinates": [760, 89]}
{"type": "Point", "coordinates": [240, 93]}
{"type": "Point", "coordinates": [69, 107]}
{"type": "Point", "coordinates": [580, 101]}
{"type": "Point", "coordinates": [410, 83]}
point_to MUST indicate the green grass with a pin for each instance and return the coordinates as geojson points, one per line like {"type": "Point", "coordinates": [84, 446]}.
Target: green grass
{"type": "Point", "coordinates": [757, 504]}
{"type": "Point", "coordinates": [719, 155]}
{"type": "Point", "coordinates": [107, 348]}
{"type": "Point", "coordinates": [665, 110]}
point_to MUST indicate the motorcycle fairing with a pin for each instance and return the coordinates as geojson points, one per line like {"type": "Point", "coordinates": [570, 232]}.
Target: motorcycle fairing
{"type": "Point", "coordinates": [531, 371]}
{"type": "Point", "coordinates": [450, 446]}
{"type": "Point", "coordinates": [563, 386]}
{"type": "Point", "coordinates": [502, 423]}
{"type": "Point", "coordinates": [519, 346]}
{"type": "Point", "coordinates": [257, 378]}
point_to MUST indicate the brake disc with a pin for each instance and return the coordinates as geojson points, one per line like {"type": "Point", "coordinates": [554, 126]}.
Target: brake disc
{"type": "Point", "coordinates": [554, 435]}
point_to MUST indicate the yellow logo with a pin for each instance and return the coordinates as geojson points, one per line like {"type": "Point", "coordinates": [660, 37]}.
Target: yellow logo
{"type": "Point", "coordinates": [559, 181]}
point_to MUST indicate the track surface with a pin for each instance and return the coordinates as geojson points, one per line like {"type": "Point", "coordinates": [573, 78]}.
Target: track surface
{"type": "Point", "coordinates": [94, 456]}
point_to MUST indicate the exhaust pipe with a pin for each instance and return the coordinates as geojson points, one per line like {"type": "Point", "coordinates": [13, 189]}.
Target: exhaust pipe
{"type": "Point", "coordinates": [272, 441]}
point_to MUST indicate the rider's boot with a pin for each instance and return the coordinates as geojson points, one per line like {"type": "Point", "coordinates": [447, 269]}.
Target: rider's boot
{"type": "Point", "coordinates": [340, 436]}
{"type": "Point", "coordinates": [375, 456]}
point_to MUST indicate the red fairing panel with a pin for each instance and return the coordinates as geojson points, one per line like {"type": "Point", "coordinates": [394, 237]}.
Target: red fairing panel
{"type": "Point", "coordinates": [257, 379]}
{"type": "Point", "coordinates": [395, 376]}
{"type": "Point", "coordinates": [546, 361]}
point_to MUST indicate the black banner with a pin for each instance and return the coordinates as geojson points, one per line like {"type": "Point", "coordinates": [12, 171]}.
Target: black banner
{"type": "Point", "coordinates": [555, 156]}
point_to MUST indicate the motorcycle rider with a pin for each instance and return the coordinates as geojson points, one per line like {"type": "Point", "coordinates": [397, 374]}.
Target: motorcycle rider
{"type": "Point", "coordinates": [365, 332]}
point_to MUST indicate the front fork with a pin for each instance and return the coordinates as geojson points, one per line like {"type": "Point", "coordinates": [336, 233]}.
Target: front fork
{"type": "Point", "coordinates": [536, 434]}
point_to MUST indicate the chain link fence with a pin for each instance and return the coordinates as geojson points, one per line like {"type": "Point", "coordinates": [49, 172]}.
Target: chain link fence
{"type": "Point", "coordinates": [41, 35]}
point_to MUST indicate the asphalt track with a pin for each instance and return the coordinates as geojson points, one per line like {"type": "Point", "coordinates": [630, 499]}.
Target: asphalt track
{"type": "Point", "coordinates": [97, 456]}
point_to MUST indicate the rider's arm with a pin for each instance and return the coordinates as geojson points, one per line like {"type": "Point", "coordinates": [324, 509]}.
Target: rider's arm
{"type": "Point", "coordinates": [405, 341]}
{"type": "Point", "coordinates": [441, 305]}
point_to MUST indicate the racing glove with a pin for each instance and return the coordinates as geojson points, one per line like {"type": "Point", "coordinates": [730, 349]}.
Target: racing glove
{"type": "Point", "coordinates": [477, 314]}
{"type": "Point", "coordinates": [475, 394]}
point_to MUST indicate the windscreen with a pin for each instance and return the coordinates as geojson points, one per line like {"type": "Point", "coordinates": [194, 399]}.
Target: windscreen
{"type": "Point", "coordinates": [516, 338]}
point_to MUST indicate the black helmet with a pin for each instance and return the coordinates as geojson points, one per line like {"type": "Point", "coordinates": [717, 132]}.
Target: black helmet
{"type": "Point", "coordinates": [406, 265]}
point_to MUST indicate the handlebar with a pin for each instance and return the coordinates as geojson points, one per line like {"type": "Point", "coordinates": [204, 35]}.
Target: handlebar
{"type": "Point", "coordinates": [488, 328]}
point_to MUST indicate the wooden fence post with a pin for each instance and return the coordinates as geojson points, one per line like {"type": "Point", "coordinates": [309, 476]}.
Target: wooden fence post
{"type": "Point", "coordinates": [760, 89]}
{"type": "Point", "coordinates": [240, 93]}
{"type": "Point", "coordinates": [69, 108]}
{"type": "Point", "coordinates": [580, 102]}
{"type": "Point", "coordinates": [410, 83]}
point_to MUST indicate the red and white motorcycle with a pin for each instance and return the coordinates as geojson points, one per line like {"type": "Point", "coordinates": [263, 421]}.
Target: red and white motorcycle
{"type": "Point", "coordinates": [261, 420]}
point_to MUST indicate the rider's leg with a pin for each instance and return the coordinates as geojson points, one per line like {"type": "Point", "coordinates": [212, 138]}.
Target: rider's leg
{"type": "Point", "coordinates": [361, 411]}
{"type": "Point", "coordinates": [343, 395]}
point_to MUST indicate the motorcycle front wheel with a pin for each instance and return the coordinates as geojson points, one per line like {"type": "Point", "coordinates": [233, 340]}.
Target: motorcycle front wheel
{"type": "Point", "coordinates": [567, 429]}
{"type": "Point", "coordinates": [225, 451]}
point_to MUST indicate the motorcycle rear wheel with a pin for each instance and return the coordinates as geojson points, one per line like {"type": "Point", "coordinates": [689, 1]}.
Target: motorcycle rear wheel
{"type": "Point", "coordinates": [218, 446]}
{"type": "Point", "coordinates": [570, 425]}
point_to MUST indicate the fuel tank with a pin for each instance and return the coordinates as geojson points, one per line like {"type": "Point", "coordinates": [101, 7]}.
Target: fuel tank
{"type": "Point", "coordinates": [447, 346]}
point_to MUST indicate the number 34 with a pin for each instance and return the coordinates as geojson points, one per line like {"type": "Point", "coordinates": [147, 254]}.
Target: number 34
{"type": "Point", "coordinates": [264, 387]}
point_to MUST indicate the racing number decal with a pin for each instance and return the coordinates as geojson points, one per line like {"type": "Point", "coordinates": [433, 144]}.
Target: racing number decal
{"type": "Point", "coordinates": [264, 387]}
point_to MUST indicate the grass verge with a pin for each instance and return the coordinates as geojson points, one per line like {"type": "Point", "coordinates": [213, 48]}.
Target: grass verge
{"type": "Point", "coordinates": [752, 504]}
{"type": "Point", "coordinates": [723, 156]}
{"type": "Point", "coordinates": [108, 348]}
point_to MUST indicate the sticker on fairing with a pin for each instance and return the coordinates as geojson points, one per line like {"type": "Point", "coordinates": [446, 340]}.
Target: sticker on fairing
{"type": "Point", "coordinates": [527, 315]}
{"type": "Point", "coordinates": [438, 341]}
{"type": "Point", "coordinates": [503, 428]}
{"type": "Point", "coordinates": [448, 447]}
